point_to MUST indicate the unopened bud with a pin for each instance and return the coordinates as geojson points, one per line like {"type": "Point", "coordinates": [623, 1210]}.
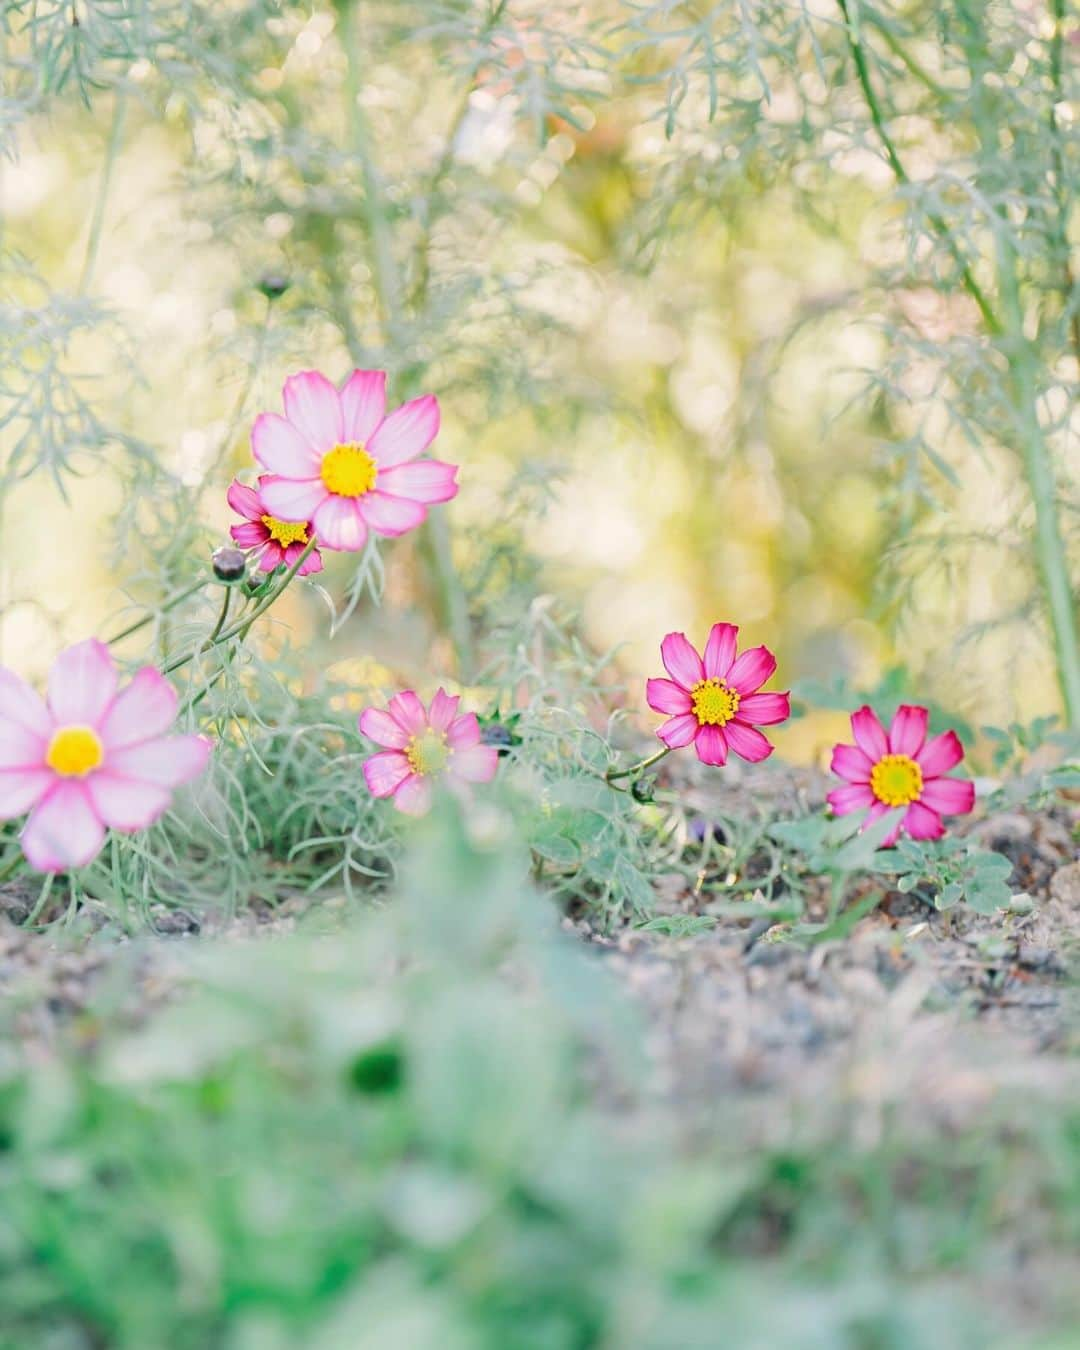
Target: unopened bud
{"type": "Point", "coordinates": [229, 564]}
{"type": "Point", "coordinates": [273, 285]}
{"type": "Point", "coordinates": [641, 789]}
{"type": "Point", "coordinates": [498, 735]}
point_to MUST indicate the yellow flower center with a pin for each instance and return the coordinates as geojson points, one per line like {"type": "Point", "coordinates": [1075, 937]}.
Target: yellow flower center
{"type": "Point", "coordinates": [74, 751]}
{"type": "Point", "coordinates": [714, 702]}
{"type": "Point", "coordinates": [896, 780]}
{"type": "Point", "coordinates": [348, 470]}
{"type": "Point", "coordinates": [285, 532]}
{"type": "Point", "coordinates": [428, 753]}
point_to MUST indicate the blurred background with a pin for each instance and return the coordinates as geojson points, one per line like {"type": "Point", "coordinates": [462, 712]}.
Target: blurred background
{"type": "Point", "coordinates": [695, 358]}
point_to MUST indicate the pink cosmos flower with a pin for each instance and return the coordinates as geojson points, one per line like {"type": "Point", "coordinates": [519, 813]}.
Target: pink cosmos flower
{"type": "Point", "coordinates": [339, 463]}
{"type": "Point", "coordinates": [422, 746]}
{"type": "Point", "coordinates": [88, 757]}
{"type": "Point", "coordinates": [902, 768]}
{"type": "Point", "coordinates": [714, 699]}
{"type": "Point", "coordinates": [279, 541]}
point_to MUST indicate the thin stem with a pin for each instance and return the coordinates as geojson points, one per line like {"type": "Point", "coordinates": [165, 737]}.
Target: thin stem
{"type": "Point", "coordinates": [1049, 544]}
{"type": "Point", "coordinates": [11, 866]}
{"type": "Point", "coordinates": [611, 776]}
{"type": "Point", "coordinates": [1062, 195]}
{"type": "Point", "coordinates": [938, 223]}
{"type": "Point", "coordinates": [97, 220]}
{"type": "Point", "coordinates": [177, 599]}
{"type": "Point", "coordinates": [242, 626]}
{"type": "Point", "coordinates": [223, 615]}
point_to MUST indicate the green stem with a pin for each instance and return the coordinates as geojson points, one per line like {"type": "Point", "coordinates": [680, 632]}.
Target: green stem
{"type": "Point", "coordinates": [1049, 544]}
{"type": "Point", "coordinates": [1062, 194]}
{"type": "Point", "coordinates": [97, 220]}
{"type": "Point", "coordinates": [223, 615]}
{"type": "Point", "coordinates": [11, 866]}
{"type": "Point", "coordinates": [177, 599]}
{"type": "Point", "coordinates": [635, 770]}
{"type": "Point", "coordinates": [937, 222]}
{"type": "Point", "coordinates": [243, 625]}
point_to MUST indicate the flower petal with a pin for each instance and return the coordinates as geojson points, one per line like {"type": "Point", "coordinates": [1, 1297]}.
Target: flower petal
{"type": "Point", "coordinates": [312, 563]}
{"type": "Point", "coordinates": [907, 734]}
{"type": "Point", "coordinates": [666, 696]}
{"type": "Point", "coordinates": [922, 823]}
{"type": "Point", "coordinates": [949, 796]}
{"type": "Point", "coordinates": [20, 789]}
{"type": "Point", "coordinates": [294, 499]}
{"type": "Point", "coordinates": [747, 741]}
{"type": "Point", "coordinates": [385, 772]}
{"type": "Point", "coordinates": [380, 727]}
{"type": "Point", "coordinates": [443, 710]}
{"type": "Point", "coordinates": [391, 516]}
{"type": "Point", "coordinates": [244, 501]}
{"type": "Point", "coordinates": [82, 683]}
{"type": "Point", "coordinates": [940, 754]}
{"type": "Point", "coordinates": [851, 797]}
{"type": "Point", "coordinates": [313, 406]}
{"type": "Point", "coordinates": [338, 524]}
{"type": "Point", "coordinates": [413, 797]}
{"type": "Point", "coordinates": [851, 763]}
{"type": "Point", "coordinates": [474, 763]}
{"type": "Point", "coordinates": [19, 703]}
{"type": "Point", "coordinates": [424, 480]}
{"type": "Point", "coordinates": [678, 731]}
{"type": "Point", "coordinates": [273, 555]}
{"type": "Point", "coordinates": [463, 732]}
{"type": "Point", "coordinates": [711, 745]}
{"type": "Point", "coordinates": [363, 404]}
{"type": "Point", "coordinates": [167, 761]}
{"type": "Point", "coordinates": [406, 433]}
{"type": "Point", "coordinates": [249, 535]}
{"type": "Point", "coordinates": [751, 670]}
{"type": "Point", "coordinates": [407, 710]}
{"type": "Point", "coordinates": [126, 803]}
{"type": "Point", "coordinates": [765, 710]}
{"type": "Point", "coordinates": [20, 748]}
{"type": "Point", "coordinates": [681, 660]}
{"type": "Point", "coordinates": [63, 831]}
{"type": "Point", "coordinates": [145, 709]}
{"type": "Point", "coordinates": [869, 733]}
{"type": "Point", "coordinates": [281, 448]}
{"type": "Point", "coordinates": [720, 650]}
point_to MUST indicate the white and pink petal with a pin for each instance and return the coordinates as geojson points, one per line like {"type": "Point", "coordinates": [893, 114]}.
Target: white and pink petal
{"type": "Point", "coordinates": [295, 499]}
{"type": "Point", "coordinates": [82, 684]}
{"type": "Point", "coordinates": [313, 406]}
{"type": "Point", "coordinates": [64, 830]}
{"type": "Point", "coordinates": [282, 448]}
{"type": "Point", "coordinates": [339, 525]}
{"type": "Point", "coordinates": [385, 772]}
{"type": "Point", "coordinates": [406, 432]}
{"type": "Point", "coordinates": [391, 516]}
{"type": "Point", "coordinates": [424, 480]}
{"type": "Point", "coordinates": [363, 404]}
{"type": "Point", "coordinates": [145, 709]}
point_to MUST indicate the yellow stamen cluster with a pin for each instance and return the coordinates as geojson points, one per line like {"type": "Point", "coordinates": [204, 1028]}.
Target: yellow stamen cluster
{"type": "Point", "coordinates": [428, 753]}
{"type": "Point", "coordinates": [348, 470]}
{"type": "Point", "coordinates": [714, 702]}
{"type": "Point", "coordinates": [74, 751]}
{"type": "Point", "coordinates": [285, 532]}
{"type": "Point", "coordinates": [896, 780]}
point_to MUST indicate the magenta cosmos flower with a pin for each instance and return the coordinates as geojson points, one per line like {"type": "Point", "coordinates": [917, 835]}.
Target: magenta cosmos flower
{"type": "Point", "coordinates": [340, 465]}
{"type": "Point", "coordinates": [714, 700]}
{"type": "Point", "coordinates": [901, 768]}
{"type": "Point", "coordinates": [88, 757]}
{"type": "Point", "coordinates": [422, 746]}
{"type": "Point", "coordinates": [278, 541]}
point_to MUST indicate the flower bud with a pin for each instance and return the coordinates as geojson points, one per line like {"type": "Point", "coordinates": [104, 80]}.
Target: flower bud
{"type": "Point", "coordinates": [273, 285]}
{"type": "Point", "coordinates": [641, 789]}
{"type": "Point", "coordinates": [230, 564]}
{"type": "Point", "coordinates": [498, 735]}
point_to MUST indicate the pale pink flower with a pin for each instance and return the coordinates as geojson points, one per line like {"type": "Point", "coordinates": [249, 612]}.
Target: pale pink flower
{"type": "Point", "coordinates": [88, 757]}
{"type": "Point", "coordinates": [421, 747]}
{"type": "Point", "coordinates": [901, 768]}
{"type": "Point", "coordinates": [714, 699]}
{"type": "Point", "coordinates": [339, 462]}
{"type": "Point", "coordinates": [278, 541]}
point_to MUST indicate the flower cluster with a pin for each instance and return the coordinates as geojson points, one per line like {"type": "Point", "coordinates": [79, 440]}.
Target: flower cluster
{"type": "Point", "coordinates": [91, 757]}
{"type": "Point", "coordinates": [338, 466]}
